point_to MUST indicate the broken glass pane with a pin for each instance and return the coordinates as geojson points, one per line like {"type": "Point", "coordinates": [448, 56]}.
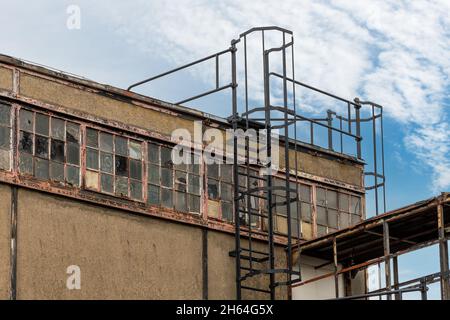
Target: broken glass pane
{"type": "Point", "coordinates": [180, 201]}
{"type": "Point", "coordinates": [121, 166]}
{"type": "Point", "coordinates": [91, 180]}
{"type": "Point", "coordinates": [166, 157]}
{"type": "Point", "coordinates": [73, 132]}
{"type": "Point", "coordinates": [92, 159]}
{"type": "Point", "coordinates": [5, 114]}
{"type": "Point", "coordinates": [122, 186]}
{"type": "Point", "coordinates": [5, 160]}
{"type": "Point", "coordinates": [26, 120]}
{"type": "Point", "coordinates": [41, 169]}
{"type": "Point", "coordinates": [58, 129]}
{"type": "Point", "coordinates": [166, 177]}
{"type": "Point", "coordinates": [73, 153]}
{"type": "Point", "coordinates": [73, 175]}
{"type": "Point", "coordinates": [153, 153]}
{"type": "Point", "coordinates": [180, 177]}
{"type": "Point", "coordinates": [355, 205]}
{"type": "Point", "coordinates": [107, 183]}
{"type": "Point", "coordinates": [194, 184]}
{"type": "Point", "coordinates": [136, 190]}
{"type": "Point", "coordinates": [26, 163]}
{"type": "Point", "coordinates": [194, 203]}
{"type": "Point", "coordinates": [106, 162]}
{"type": "Point", "coordinates": [227, 211]}
{"type": "Point", "coordinates": [42, 124]}
{"type": "Point", "coordinates": [5, 135]}
{"type": "Point", "coordinates": [153, 174]}
{"type": "Point", "coordinates": [135, 169]}
{"type": "Point", "coordinates": [166, 198]}
{"type": "Point", "coordinates": [92, 138]}
{"type": "Point", "coordinates": [106, 141]}
{"type": "Point", "coordinates": [56, 171]}
{"type": "Point", "coordinates": [153, 194]}
{"type": "Point", "coordinates": [121, 146]}
{"type": "Point", "coordinates": [26, 142]}
{"type": "Point", "coordinates": [57, 150]}
{"type": "Point", "coordinates": [213, 189]}
{"type": "Point", "coordinates": [41, 147]}
{"type": "Point", "coordinates": [135, 150]}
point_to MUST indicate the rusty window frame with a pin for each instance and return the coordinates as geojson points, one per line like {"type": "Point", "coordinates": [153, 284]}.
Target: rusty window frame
{"type": "Point", "coordinates": [6, 151]}
{"type": "Point", "coordinates": [221, 181]}
{"type": "Point", "coordinates": [47, 159]}
{"type": "Point", "coordinates": [97, 173]}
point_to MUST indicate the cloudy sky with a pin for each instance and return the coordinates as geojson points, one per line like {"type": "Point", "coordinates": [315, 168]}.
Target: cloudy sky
{"type": "Point", "coordinates": [393, 52]}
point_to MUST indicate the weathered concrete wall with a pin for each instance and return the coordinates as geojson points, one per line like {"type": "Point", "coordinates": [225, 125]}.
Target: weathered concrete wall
{"type": "Point", "coordinates": [5, 243]}
{"type": "Point", "coordinates": [221, 269]}
{"type": "Point", "coordinates": [6, 77]}
{"type": "Point", "coordinates": [121, 256]}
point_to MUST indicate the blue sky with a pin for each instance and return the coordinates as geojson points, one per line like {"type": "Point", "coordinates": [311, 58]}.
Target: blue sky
{"type": "Point", "coordinates": [391, 52]}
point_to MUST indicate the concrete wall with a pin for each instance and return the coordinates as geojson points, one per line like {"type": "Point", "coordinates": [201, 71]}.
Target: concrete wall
{"type": "Point", "coordinates": [5, 242]}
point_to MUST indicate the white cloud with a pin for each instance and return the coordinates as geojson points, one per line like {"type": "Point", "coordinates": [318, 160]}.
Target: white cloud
{"type": "Point", "coordinates": [392, 52]}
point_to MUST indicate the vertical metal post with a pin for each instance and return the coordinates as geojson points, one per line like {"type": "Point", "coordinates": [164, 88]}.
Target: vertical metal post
{"type": "Point", "coordinates": [423, 289]}
{"type": "Point", "coordinates": [358, 127]}
{"type": "Point", "coordinates": [335, 261]}
{"type": "Point", "coordinates": [235, 172]}
{"type": "Point", "coordinates": [396, 278]}
{"type": "Point", "coordinates": [375, 164]}
{"type": "Point", "coordinates": [443, 254]}
{"type": "Point", "coordinates": [330, 131]}
{"type": "Point", "coordinates": [387, 257]}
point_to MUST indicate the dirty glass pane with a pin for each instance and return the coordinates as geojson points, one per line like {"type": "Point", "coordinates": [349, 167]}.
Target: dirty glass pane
{"type": "Point", "coordinates": [343, 202]}
{"type": "Point", "coordinates": [213, 189]}
{"type": "Point", "coordinates": [180, 179]}
{"type": "Point", "coordinates": [121, 146]}
{"type": "Point", "coordinates": [106, 141]}
{"type": "Point", "coordinates": [107, 183]}
{"type": "Point", "coordinates": [56, 171]}
{"type": "Point", "coordinates": [227, 211]}
{"type": "Point", "coordinates": [58, 129]}
{"type": "Point", "coordinates": [153, 194]}
{"type": "Point", "coordinates": [26, 120]}
{"type": "Point", "coordinates": [356, 219]}
{"type": "Point", "coordinates": [135, 169]}
{"type": "Point", "coordinates": [121, 164]}
{"type": "Point", "coordinates": [26, 163]}
{"type": "Point", "coordinates": [26, 142]}
{"type": "Point", "coordinates": [41, 169]}
{"type": "Point", "coordinates": [213, 170]}
{"type": "Point", "coordinates": [122, 186]}
{"type": "Point", "coordinates": [321, 231]}
{"type": "Point", "coordinates": [5, 135]}
{"type": "Point", "coordinates": [305, 211]}
{"type": "Point", "coordinates": [57, 150]}
{"type": "Point", "coordinates": [73, 153]}
{"type": "Point", "coordinates": [73, 175]}
{"type": "Point", "coordinates": [91, 180]}
{"type": "Point", "coordinates": [166, 198]}
{"type": "Point", "coordinates": [226, 172]}
{"type": "Point", "coordinates": [166, 157]}
{"type": "Point", "coordinates": [321, 216]}
{"type": "Point", "coordinates": [321, 199]}
{"type": "Point", "coordinates": [92, 159]}
{"type": "Point", "coordinates": [305, 193]}
{"type": "Point", "coordinates": [42, 122]}
{"type": "Point", "coordinates": [194, 166]}
{"type": "Point", "coordinates": [194, 184]}
{"type": "Point", "coordinates": [344, 220]}
{"type": "Point", "coordinates": [41, 147]}
{"type": "Point", "coordinates": [92, 138]}
{"type": "Point", "coordinates": [73, 132]}
{"type": "Point", "coordinates": [332, 199]}
{"type": "Point", "coordinates": [226, 192]}
{"type": "Point", "coordinates": [180, 201]}
{"type": "Point", "coordinates": [166, 177]}
{"type": "Point", "coordinates": [135, 150]}
{"type": "Point", "coordinates": [106, 162]}
{"type": "Point", "coordinates": [153, 153]}
{"type": "Point", "coordinates": [5, 114]}
{"type": "Point", "coordinates": [332, 218]}
{"type": "Point", "coordinates": [194, 203]}
{"type": "Point", "coordinates": [5, 160]}
{"type": "Point", "coordinates": [136, 190]}
{"type": "Point", "coordinates": [153, 174]}
{"type": "Point", "coordinates": [355, 205]}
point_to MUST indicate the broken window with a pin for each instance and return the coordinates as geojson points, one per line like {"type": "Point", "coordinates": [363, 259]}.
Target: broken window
{"type": "Point", "coordinates": [173, 186]}
{"type": "Point", "coordinates": [5, 137]}
{"type": "Point", "coordinates": [114, 164]}
{"type": "Point", "coordinates": [49, 147]}
{"type": "Point", "coordinates": [220, 191]}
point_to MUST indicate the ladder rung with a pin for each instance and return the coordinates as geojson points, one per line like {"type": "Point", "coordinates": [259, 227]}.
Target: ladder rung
{"type": "Point", "coordinates": [255, 289]}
